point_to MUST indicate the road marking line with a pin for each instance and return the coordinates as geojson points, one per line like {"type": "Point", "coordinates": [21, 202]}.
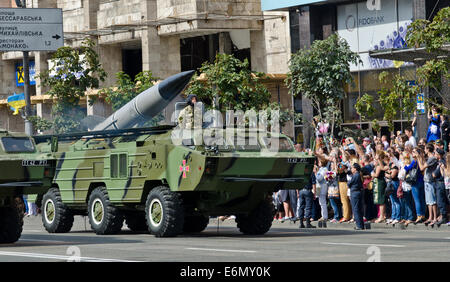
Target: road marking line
{"type": "Point", "coordinates": [58, 257]}
{"type": "Point", "coordinates": [220, 250]}
{"type": "Point", "coordinates": [355, 244]}
{"type": "Point", "coordinates": [50, 241]}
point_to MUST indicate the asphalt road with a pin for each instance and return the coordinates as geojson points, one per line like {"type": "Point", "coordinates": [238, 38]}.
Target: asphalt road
{"type": "Point", "coordinates": [224, 243]}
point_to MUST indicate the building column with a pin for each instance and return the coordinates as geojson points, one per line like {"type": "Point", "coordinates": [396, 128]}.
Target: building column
{"type": "Point", "coordinates": [43, 110]}
{"type": "Point", "coordinates": [225, 43]}
{"type": "Point", "coordinates": [160, 54]}
{"type": "Point", "coordinates": [305, 39]}
{"type": "Point", "coordinates": [419, 12]}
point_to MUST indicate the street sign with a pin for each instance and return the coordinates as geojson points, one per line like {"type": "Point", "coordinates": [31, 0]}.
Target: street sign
{"type": "Point", "coordinates": [34, 29]}
{"type": "Point", "coordinates": [421, 103]}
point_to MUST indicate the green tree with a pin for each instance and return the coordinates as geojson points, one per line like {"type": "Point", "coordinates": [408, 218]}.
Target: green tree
{"type": "Point", "coordinates": [395, 96]}
{"type": "Point", "coordinates": [126, 89]}
{"type": "Point", "coordinates": [320, 74]}
{"type": "Point", "coordinates": [230, 85]}
{"type": "Point", "coordinates": [74, 71]}
{"type": "Point", "coordinates": [432, 35]}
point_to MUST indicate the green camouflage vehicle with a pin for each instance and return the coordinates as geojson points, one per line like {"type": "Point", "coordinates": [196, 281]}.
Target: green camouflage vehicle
{"type": "Point", "coordinates": [142, 177]}
{"type": "Point", "coordinates": [23, 170]}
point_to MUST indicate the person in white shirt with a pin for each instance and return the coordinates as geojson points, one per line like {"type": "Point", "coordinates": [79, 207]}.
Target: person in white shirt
{"type": "Point", "coordinates": [411, 138]}
{"type": "Point", "coordinates": [367, 146]}
{"type": "Point", "coordinates": [385, 142]}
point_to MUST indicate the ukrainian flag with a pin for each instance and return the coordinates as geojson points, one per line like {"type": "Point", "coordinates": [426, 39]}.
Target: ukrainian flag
{"type": "Point", "coordinates": [16, 101]}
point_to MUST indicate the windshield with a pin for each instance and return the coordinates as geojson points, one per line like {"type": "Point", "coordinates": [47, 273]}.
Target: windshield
{"type": "Point", "coordinates": [284, 145]}
{"type": "Point", "coordinates": [17, 145]}
{"type": "Point", "coordinates": [251, 143]}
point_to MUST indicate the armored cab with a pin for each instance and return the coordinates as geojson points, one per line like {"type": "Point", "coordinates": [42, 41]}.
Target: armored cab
{"type": "Point", "coordinates": [23, 170]}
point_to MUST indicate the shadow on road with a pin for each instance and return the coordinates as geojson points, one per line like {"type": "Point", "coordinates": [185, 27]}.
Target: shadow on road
{"type": "Point", "coordinates": [32, 240]}
{"type": "Point", "coordinates": [274, 232]}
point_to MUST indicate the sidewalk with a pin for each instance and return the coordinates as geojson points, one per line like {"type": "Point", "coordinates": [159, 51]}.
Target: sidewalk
{"type": "Point", "coordinates": [346, 225]}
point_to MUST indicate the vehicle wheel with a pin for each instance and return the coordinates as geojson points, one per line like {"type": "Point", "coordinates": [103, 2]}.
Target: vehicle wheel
{"type": "Point", "coordinates": [164, 212]}
{"type": "Point", "coordinates": [194, 224]}
{"type": "Point", "coordinates": [136, 221]}
{"type": "Point", "coordinates": [258, 221]}
{"type": "Point", "coordinates": [105, 219]}
{"type": "Point", "coordinates": [56, 216]}
{"type": "Point", "coordinates": [11, 224]}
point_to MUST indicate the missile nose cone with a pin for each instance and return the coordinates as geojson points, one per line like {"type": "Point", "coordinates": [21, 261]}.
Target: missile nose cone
{"type": "Point", "coordinates": [173, 85]}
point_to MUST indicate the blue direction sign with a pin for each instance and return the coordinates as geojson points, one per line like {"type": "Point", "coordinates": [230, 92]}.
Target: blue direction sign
{"type": "Point", "coordinates": [34, 29]}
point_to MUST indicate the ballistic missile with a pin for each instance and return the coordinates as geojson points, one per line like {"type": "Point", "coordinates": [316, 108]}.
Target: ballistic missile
{"type": "Point", "coordinates": [147, 104]}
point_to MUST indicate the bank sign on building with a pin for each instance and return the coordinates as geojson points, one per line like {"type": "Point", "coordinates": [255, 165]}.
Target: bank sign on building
{"type": "Point", "coordinates": [367, 25]}
{"type": "Point", "coordinates": [368, 29]}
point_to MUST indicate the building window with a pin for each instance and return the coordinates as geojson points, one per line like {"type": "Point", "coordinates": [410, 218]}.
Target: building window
{"type": "Point", "coordinates": [197, 50]}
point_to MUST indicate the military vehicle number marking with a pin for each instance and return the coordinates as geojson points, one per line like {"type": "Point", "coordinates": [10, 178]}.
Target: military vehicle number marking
{"type": "Point", "coordinates": [184, 168]}
{"type": "Point", "coordinates": [34, 162]}
{"type": "Point", "coordinates": [295, 160]}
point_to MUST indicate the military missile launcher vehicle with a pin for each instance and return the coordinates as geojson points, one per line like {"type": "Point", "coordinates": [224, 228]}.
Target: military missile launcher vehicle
{"type": "Point", "coordinates": [23, 170]}
{"type": "Point", "coordinates": [120, 172]}
{"type": "Point", "coordinates": [141, 176]}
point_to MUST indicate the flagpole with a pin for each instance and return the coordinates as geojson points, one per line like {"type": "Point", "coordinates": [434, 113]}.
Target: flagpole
{"type": "Point", "coordinates": [26, 73]}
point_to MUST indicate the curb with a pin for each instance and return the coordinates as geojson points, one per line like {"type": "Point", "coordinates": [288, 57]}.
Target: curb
{"type": "Point", "coordinates": [384, 226]}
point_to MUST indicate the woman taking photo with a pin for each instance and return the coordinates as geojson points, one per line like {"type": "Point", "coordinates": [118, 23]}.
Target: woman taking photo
{"type": "Point", "coordinates": [333, 191]}
{"type": "Point", "coordinates": [379, 185]}
{"type": "Point", "coordinates": [427, 166]}
{"type": "Point", "coordinates": [392, 186]}
{"type": "Point", "coordinates": [323, 183]}
{"type": "Point", "coordinates": [355, 185]}
{"type": "Point", "coordinates": [407, 214]}
{"type": "Point", "coordinates": [434, 130]}
{"type": "Point", "coordinates": [418, 191]}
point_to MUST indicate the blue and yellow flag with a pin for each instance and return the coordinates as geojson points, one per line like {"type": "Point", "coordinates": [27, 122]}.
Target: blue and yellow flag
{"type": "Point", "coordinates": [16, 102]}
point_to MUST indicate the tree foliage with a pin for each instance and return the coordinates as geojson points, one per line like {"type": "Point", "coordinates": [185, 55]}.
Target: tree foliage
{"type": "Point", "coordinates": [127, 88]}
{"type": "Point", "coordinates": [74, 71]}
{"type": "Point", "coordinates": [400, 96]}
{"type": "Point", "coordinates": [320, 74]}
{"type": "Point", "coordinates": [432, 35]}
{"type": "Point", "coordinates": [230, 85]}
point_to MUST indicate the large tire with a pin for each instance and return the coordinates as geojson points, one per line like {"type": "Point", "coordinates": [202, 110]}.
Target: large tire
{"type": "Point", "coordinates": [56, 216]}
{"type": "Point", "coordinates": [194, 224]}
{"type": "Point", "coordinates": [104, 218]}
{"type": "Point", "coordinates": [258, 221]}
{"type": "Point", "coordinates": [11, 224]}
{"type": "Point", "coordinates": [164, 212]}
{"type": "Point", "coordinates": [136, 221]}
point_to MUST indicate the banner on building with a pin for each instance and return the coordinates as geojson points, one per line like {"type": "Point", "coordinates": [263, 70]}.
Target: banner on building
{"type": "Point", "coordinates": [421, 103]}
{"type": "Point", "coordinates": [20, 76]}
{"type": "Point", "coordinates": [16, 102]}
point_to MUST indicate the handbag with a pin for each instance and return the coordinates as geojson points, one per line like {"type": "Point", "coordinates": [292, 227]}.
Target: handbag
{"type": "Point", "coordinates": [411, 176]}
{"type": "Point", "coordinates": [333, 192]}
{"type": "Point", "coordinates": [400, 191]}
{"type": "Point", "coordinates": [367, 184]}
{"type": "Point", "coordinates": [433, 129]}
{"type": "Point", "coordinates": [390, 188]}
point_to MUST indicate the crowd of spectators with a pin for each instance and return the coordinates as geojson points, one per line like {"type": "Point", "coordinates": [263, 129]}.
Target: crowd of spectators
{"type": "Point", "coordinates": [396, 180]}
